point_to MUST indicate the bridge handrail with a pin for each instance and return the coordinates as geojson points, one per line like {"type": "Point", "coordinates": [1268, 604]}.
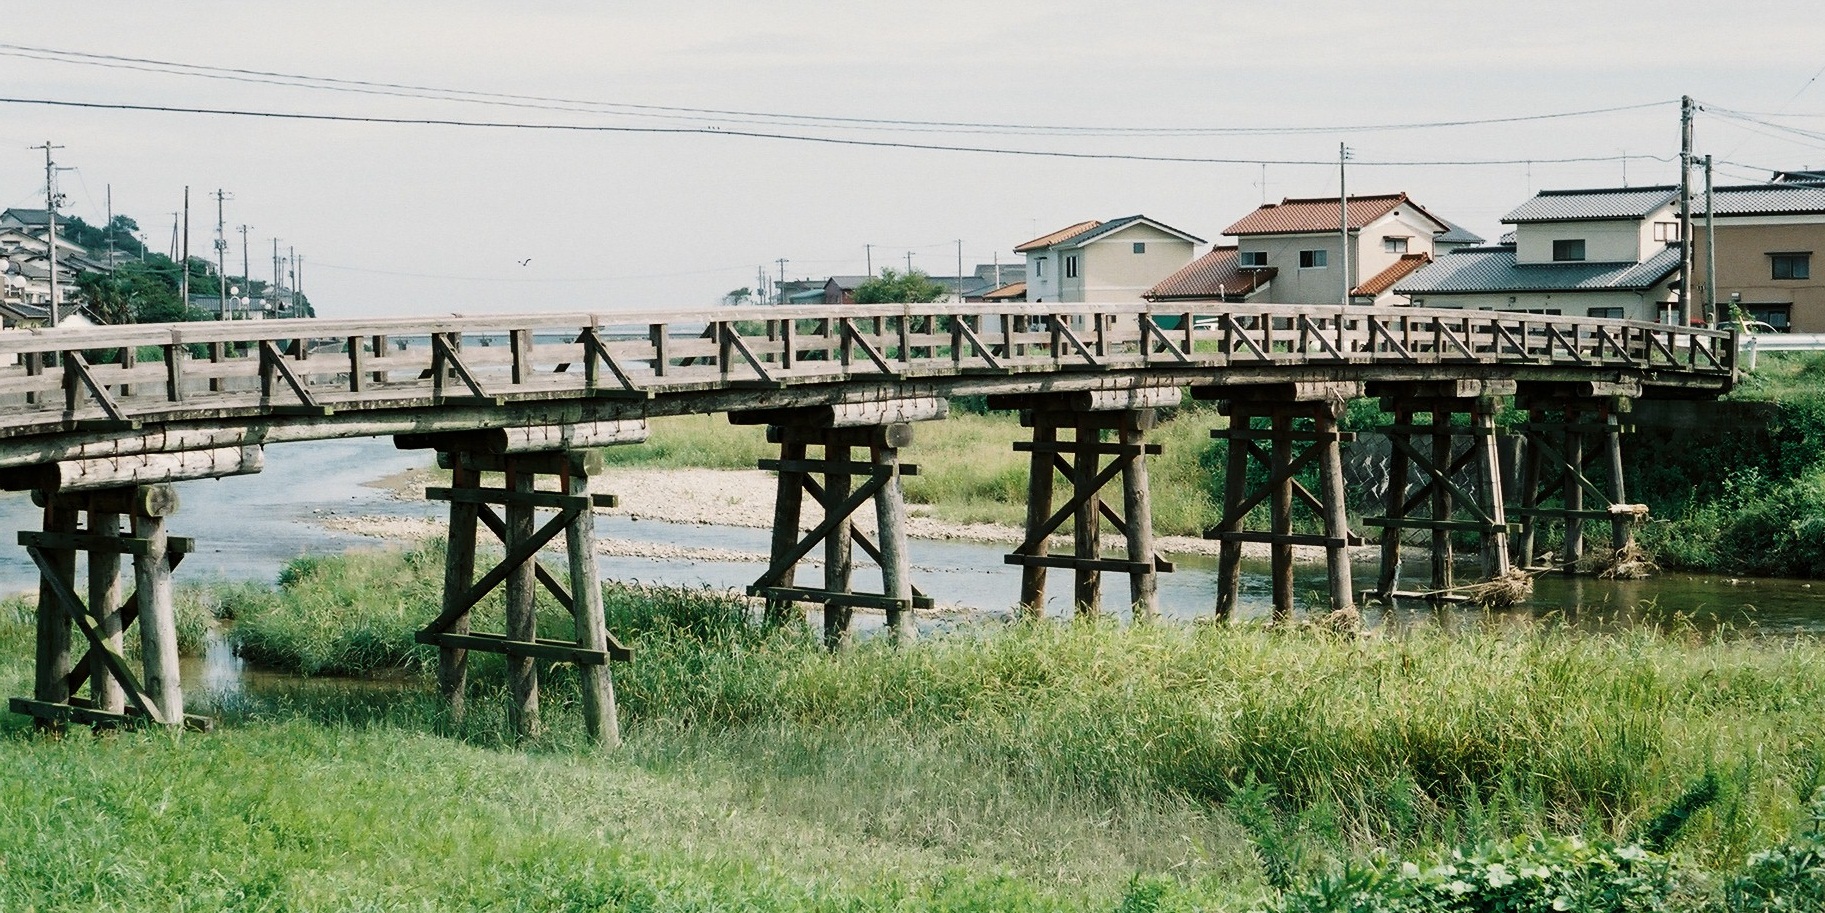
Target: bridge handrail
{"type": "Point", "coordinates": [48, 380]}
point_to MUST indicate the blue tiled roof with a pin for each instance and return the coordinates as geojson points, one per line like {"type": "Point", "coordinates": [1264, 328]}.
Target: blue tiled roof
{"type": "Point", "coordinates": [1493, 269]}
{"type": "Point", "coordinates": [1578, 205]}
{"type": "Point", "coordinates": [1456, 234]}
{"type": "Point", "coordinates": [1763, 199]}
{"type": "Point", "coordinates": [1115, 225]}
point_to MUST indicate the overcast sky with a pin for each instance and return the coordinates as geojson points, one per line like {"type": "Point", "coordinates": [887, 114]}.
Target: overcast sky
{"type": "Point", "coordinates": [408, 219]}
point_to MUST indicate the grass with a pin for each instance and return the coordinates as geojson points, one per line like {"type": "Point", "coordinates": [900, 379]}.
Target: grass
{"type": "Point", "coordinates": [1047, 767]}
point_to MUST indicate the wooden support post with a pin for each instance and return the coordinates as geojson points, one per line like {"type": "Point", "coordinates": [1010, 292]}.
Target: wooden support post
{"type": "Point", "coordinates": [53, 660]}
{"type": "Point", "coordinates": [522, 609]}
{"type": "Point", "coordinates": [787, 510]}
{"type": "Point", "coordinates": [1489, 476]}
{"type": "Point", "coordinates": [1087, 586]}
{"type": "Point", "coordinates": [1039, 508]}
{"type": "Point", "coordinates": [890, 518]}
{"type": "Point", "coordinates": [158, 620]}
{"type": "Point", "coordinates": [1532, 461]}
{"type": "Point", "coordinates": [104, 604]}
{"type": "Point", "coordinates": [1336, 508]}
{"type": "Point", "coordinates": [1235, 492]}
{"type": "Point", "coordinates": [837, 551]}
{"type": "Point", "coordinates": [1622, 529]}
{"type": "Point", "coordinates": [1573, 492]}
{"type": "Point", "coordinates": [1282, 514]}
{"type": "Point", "coordinates": [1137, 512]}
{"type": "Point", "coordinates": [600, 719]}
{"type": "Point", "coordinates": [1399, 468]}
{"type": "Point", "coordinates": [459, 576]}
{"type": "Point", "coordinates": [1443, 575]}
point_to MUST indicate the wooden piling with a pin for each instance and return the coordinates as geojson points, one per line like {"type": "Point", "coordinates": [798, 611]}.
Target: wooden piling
{"type": "Point", "coordinates": [1489, 476]}
{"type": "Point", "coordinates": [1087, 582]}
{"type": "Point", "coordinates": [1281, 549]}
{"type": "Point", "coordinates": [1573, 493]}
{"type": "Point", "coordinates": [1235, 491]}
{"type": "Point", "coordinates": [1443, 574]}
{"type": "Point", "coordinates": [1336, 509]}
{"type": "Point", "coordinates": [1622, 529]}
{"type": "Point", "coordinates": [1039, 507]}
{"type": "Point", "coordinates": [787, 513]}
{"type": "Point", "coordinates": [52, 684]}
{"type": "Point", "coordinates": [1533, 461]}
{"type": "Point", "coordinates": [838, 556]}
{"type": "Point", "coordinates": [600, 718]}
{"type": "Point", "coordinates": [459, 575]}
{"type": "Point", "coordinates": [158, 620]}
{"type": "Point", "coordinates": [1399, 469]}
{"type": "Point", "coordinates": [1137, 512]}
{"type": "Point", "coordinates": [890, 520]}
{"type": "Point", "coordinates": [104, 604]}
{"type": "Point", "coordinates": [522, 610]}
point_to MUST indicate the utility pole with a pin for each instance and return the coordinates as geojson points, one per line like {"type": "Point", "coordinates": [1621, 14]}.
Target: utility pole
{"type": "Point", "coordinates": [959, 269]}
{"type": "Point", "coordinates": [183, 270]}
{"type": "Point", "coordinates": [1713, 314]}
{"type": "Point", "coordinates": [50, 207]}
{"type": "Point", "coordinates": [221, 256]}
{"type": "Point", "coordinates": [108, 232]}
{"type": "Point", "coordinates": [781, 290]}
{"type": "Point", "coordinates": [291, 280]}
{"type": "Point", "coordinates": [909, 263]}
{"type": "Point", "coordinates": [246, 276]}
{"type": "Point", "coordinates": [1343, 217]}
{"type": "Point", "coordinates": [760, 284]}
{"type": "Point", "coordinates": [172, 250]}
{"type": "Point", "coordinates": [277, 284]}
{"type": "Point", "coordinates": [869, 253]}
{"type": "Point", "coordinates": [1685, 210]}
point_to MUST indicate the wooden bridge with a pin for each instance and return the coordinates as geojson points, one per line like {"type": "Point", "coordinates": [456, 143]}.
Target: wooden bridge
{"type": "Point", "coordinates": [97, 422]}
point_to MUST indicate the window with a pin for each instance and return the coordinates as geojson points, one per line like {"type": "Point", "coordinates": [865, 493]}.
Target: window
{"type": "Point", "coordinates": [1605, 313]}
{"type": "Point", "coordinates": [1792, 266]}
{"type": "Point", "coordinates": [1394, 245]}
{"type": "Point", "coordinates": [1252, 258]}
{"type": "Point", "coordinates": [1666, 231]}
{"type": "Point", "coordinates": [1039, 266]}
{"type": "Point", "coordinates": [1312, 259]}
{"type": "Point", "coordinates": [1568, 249]}
{"type": "Point", "coordinates": [1779, 316]}
{"type": "Point", "coordinates": [1140, 247]}
{"type": "Point", "coordinates": [1071, 267]}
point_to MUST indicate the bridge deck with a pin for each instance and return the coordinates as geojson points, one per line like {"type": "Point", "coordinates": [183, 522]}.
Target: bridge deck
{"type": "Point", "coordinates": [148, 388]}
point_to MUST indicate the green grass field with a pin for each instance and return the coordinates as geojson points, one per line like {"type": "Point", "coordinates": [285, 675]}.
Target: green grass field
{"type": "Point", "coordinates": [1048, 767]}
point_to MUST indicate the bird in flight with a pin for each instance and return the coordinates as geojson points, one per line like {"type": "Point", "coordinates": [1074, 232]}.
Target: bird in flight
{"type": "Point", "coordinates": [525, 261]}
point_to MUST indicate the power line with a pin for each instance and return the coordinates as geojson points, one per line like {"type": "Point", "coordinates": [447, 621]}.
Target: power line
{"type": "Point", "coordinates": [517, 279]}
{"type": "Point", "coordinates": [544, 102]}
{"type": "Point", "coordinates": [826, 140]}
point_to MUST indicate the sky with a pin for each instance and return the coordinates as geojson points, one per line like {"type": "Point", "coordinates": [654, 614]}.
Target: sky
{"type": "Point", "coordinates": [427, 219]}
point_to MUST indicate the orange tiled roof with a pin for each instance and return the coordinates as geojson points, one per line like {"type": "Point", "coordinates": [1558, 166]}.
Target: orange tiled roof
{"type": "Point", "coordinates": [1063, 234]}
{"type": "Point", "coordinates": [1385, 279]}
{"type": "Point", "coordinates": [1212, 276]}
{"type": "Point", "coordinates": [1301, 216]}
{"type": "Point", "coordinates": [1013, 291]}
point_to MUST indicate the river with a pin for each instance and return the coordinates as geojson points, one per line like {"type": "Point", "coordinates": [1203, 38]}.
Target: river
{"type": "Point", "coordinates": [247, 527]}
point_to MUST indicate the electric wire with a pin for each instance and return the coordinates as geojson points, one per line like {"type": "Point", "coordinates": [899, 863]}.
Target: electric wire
{"type": "Point", "coordinates": [801, 138]}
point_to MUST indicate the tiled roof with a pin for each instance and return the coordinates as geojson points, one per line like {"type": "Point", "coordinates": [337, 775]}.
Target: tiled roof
{"type": "Point", "coordinates": [1214, 275]}
{"type": "Point", "coordinates": [1456, 234]}
{"type": "Point", "coordinates": [1579, 205]}
{"type": "Point", "coordinates": [1493, 269]}
{"type": "Point", "coordinates": [1763, 199]}
{"type": "Point", "coordinates": [1013, 291]}
{"type": "Point", "coordinates": [1114, 225]}
{"type": "Point", "coordinates": [1385, 279]}
{"type": "Point", "coordinates": [1291, 216]}
{"type": "Point", "coordinates": [1063, 234]}
{"type": "Point", "coordinates": [28, 216]}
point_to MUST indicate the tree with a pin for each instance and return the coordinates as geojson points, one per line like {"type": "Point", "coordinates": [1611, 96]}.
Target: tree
{"type": "Point", "coordinates": [739, 296]}
{"type": "Point", "coordinates": [912, 287]}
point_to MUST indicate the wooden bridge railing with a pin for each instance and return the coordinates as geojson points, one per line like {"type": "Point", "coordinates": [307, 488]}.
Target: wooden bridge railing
{"type": "Point", "coordinates": [103, 377]}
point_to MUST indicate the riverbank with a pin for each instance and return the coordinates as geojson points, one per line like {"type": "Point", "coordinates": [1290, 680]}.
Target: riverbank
{"type": "Point", "coordinates": [1047, 767]}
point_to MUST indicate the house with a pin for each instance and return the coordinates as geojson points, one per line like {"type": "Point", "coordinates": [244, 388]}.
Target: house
{"type": "Point", "coordinates": [1118, 260]}
{"type": "Point", "coordinates": [1302, 241]}
{"type": "Point", "coordinates": [1217, 276]}
{"type": "Point", "coordinates": [1607, 252]}
{"type": "Point", "coordinates": [1767, 235]}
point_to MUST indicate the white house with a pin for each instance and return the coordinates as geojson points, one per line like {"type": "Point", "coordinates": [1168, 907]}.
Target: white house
{"type": "Point", "coordinates": [1118, 260]}
{"type": "Point", "coordinates": [1609, 252]}
{"type": "Point", "coordinates": [1302, 242]}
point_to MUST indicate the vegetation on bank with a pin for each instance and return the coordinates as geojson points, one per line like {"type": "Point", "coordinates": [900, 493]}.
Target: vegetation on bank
{"type": "Point", "coordinates": [1028, 767]}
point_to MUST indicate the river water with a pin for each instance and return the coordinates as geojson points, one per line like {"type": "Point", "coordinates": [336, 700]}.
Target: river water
{"type": "Point", "coordinates": [247, 527]}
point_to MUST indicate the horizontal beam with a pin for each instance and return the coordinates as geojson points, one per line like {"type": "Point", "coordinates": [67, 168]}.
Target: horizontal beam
{"type": "Point", "coordinates": [542, 648]}
{"type": "Point", "coordinates": [78, 710]}
{"type": "Point", "coordinates": [1284, 538]}
{"type": "Point", "coordinates": [846, 600]}
{"type": "Point", "coordinates": [509, 496]}
{"type": "Point", "coordinates": [1114, 565]}
{"type": "Point", "coordinates": [116, 545]}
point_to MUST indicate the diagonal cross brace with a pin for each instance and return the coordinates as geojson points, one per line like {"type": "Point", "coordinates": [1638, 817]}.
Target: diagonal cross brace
{"type": "Point", "coordinates": [76, 374]}
{"type": "Point", "coordinates": [273, 363]}
{"type": "Point", "coordinates": [854, 335]}
{"type": "Point", "coordinates": [498, 527]}
{"type": "Point", "coordinates": [731, 338]}
{"type": "Point", "coordinates": [1577, 472]}
{"type": "Point", "coordinates": [963, 327]}
{"type": "Point", "coordinates": [856, 535]}
{"type": "Point", "coordinates": [76, 611]}
{"type": "Point", "coordinates": [526, 551]}
{"type": "Point", "coordinates": [129, 613]}
{"type": "Point", "coordinates": [1063, 328]}
{"type": "Point", "coordinates": [832, 517]}
{"type": "Point", "coordinates": [1044, 531]}
{"type": "Point", "coordinates": [1425, 463]}
{"type": "Point", "coordinates": [444, 354]}
{"type": "Point", "coordinates": [595, 349]}
{"type": "Point", "coordinates": [1150, 328]}
{"type": "Point", "coordinates": [1458, 462]}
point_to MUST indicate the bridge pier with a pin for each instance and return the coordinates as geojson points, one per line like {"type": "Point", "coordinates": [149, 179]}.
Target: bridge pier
{"type": "Point", "coordinates": [91, 522]}
{"type": "Point", "coordinates": [882, 430]}
{"type": "Point", "coordinates": [1569, 428]}
{"type": "Point", "coordinates": [1128, 415]}
{"type": "Point", "coordinates": [1439, 500]}
{"type": "Point", "coordinates": [1280, 406]}
{"type": "Point", "coordinates": [523, 456]}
